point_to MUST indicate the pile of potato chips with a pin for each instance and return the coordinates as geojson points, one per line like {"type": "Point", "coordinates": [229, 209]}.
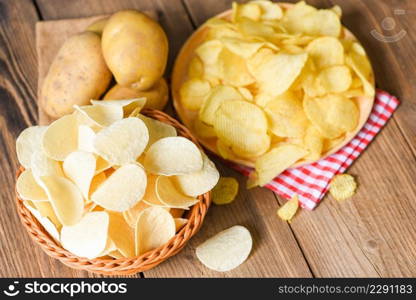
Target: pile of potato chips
{"type": "Point", "coordinates": [109, 181]}
{"type": "Point", "coordinates": [276, 85]}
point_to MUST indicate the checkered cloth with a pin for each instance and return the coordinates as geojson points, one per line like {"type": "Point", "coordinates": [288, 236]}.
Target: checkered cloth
{"type": "Point", "coordinates": [311, 182]}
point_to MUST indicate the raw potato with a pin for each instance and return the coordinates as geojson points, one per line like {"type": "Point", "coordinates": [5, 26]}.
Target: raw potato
{"type": "Point", "coordinates": [77, 74]}
{"type": "Point", "coordinates": [135, 48]}
{"type": "Point", "coordinates": [156, 97]}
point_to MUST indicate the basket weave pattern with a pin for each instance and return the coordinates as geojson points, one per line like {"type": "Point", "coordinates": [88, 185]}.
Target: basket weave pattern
{"type": "Point", "coordinates": [122, 266]}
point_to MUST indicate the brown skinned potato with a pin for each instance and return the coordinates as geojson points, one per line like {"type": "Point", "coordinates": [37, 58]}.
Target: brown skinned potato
{"type": "Point", "coordinates": [77, 74]}
{"type": "Point", "coordinates": [157, 95]}
{"type": "Point", "coordinates": [135, 49]}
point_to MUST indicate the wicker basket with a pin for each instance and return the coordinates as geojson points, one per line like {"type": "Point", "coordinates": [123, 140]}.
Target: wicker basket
{"type": "Point", "coordinates": [123, 266]}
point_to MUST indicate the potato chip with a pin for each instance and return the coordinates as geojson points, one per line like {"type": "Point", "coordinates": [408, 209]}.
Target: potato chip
{"type": "Point", "coordinates": [123, 141]}
{"type": "Point", "coordinates": [44, 221]}
{"type": "Point", "coordinates": [336, 79]}
{"type": "Point", "coordinates": [216, 97]}
{"type": "Point", "coordinates": [274, 162]}
{"type": "Point", "coordinates": [46, 210]}
{"type": "Point", "coordinates": [28, 141]}
{"type": "Point", "coordinates": [123, 189]}
{"type": "Point", "coordinates": [200, 182]}
{"type": "Point", "coordinates": [173, 156]}
{"type": "Point", "coordinates": [121, 234]}
{"type": "Point", "coordinates": [326, 52]}
{"type": "Point", "coordinates": [225, 191]}
{"type": "Point", "coordinates": [225, 151]}
{"type": "Point", "coordinates": [99, 115]}
{"type": "Point", "coordinates": [86, 137]}
{"type": "Point", "coordinates": [179, 223]}
{"type": "Point", "coordinates": [196, 68]}
{"type": "Point", "coordinates": [226, 250]}
{"type": "Point", "coordinates": [288, 210]}
{"type": "Point", "coordinates": [247, 95]}
{"type": "Point", "coordinates": [330, 144]}
{"type": "Point", "coordinates": [247, 10]}
{"type": "Point", "coordinates": [28, 189]}
{"type": "Point", "coordinates": [342, 186]}
{"type": "Point", "coordinates": [202, 130]}
{"type": "Point", "coordinates": [193, 93]}
{"type": "Point", "coordinates": [41, 165]}
{"type": "Point", "coordinates": [169, 194]}
{"type": "Point", "coordinates": [87, 238]}
{"type": "Point", "coordinates": [157, 130]}
{"type": "Point", "coordinates": [286, 115]}
{"type": "Point", "coordinates": [128, 105]}
{"type": "Point", "coordinates": [150, 197]}
{"type": "Point", "coordinates": [251, 28]}
{"type": "Point", "coordinates": [362, 67]}
{"type": "Point", "coordinates": [332, 115]}
{"type": "Point", "coordinates": [234, 69]}
{"type": "Point", "coordinates": [66, 199]}
{"type": "Point", "coordinates": [269, 10]}
{"type": "Point", "coordinates": [209, 51]}
{"type": "Point", "coordinates": [79, 166]}
{"type": "Point", "coordinates": [155, 227]}
{"type": "Point", "coordinates": [241, 47]}
{"type": "Point", "coordinates": [242, 126]}
{"type": "Point", "coordinates": [131, 215]}
{"type": "Point", "coordinates": [313, 142]}
{"type": "Point", "coordinates": [277, 72]}
{"type": "Point", "coordinates": [61, 137]}
{"type": "Point", "coordinates": [96, 181]}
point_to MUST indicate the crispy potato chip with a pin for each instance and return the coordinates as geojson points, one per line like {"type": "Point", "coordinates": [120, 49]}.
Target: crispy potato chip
{"type": "Point", "coordinates": [276, 161]}
{"type": "Point", "coordinates": [247, 10]}
{"type": "Point", "coordinates": [225, 151]}
{"type": "Point", "coordinates": [123, 189]}
{"type": "Point", "coordinates": [170, 195]}
{"type": "Point", "coordinates": [203, 131]}
{"type": "Point", "coordinates": [150, 197]}
{"type": "Point", "coordinates": [326, 52]}
{"type": "Point", "coordinates": [277, 72]}
{"type": "Point", "coordinates": [362, 67]}
{"type": "Point", "coordinates": [128, 105]}
{"type": "Point", "coordinates": [286, 116]}
{"type": "Point", "coordinates": [247, 95]}
{"type": "Point", "coordinates": [79, 166]}
{"type": "Point", "coordinates": [241, 47]}
{"type": "Point", "coordinates": [173, 156]}
{"type": "Point", "coordinates": [234, 69]}
{"type": "Point", "coordinates": [209, 51]}
{"type": "Point", "coordinates": [342, 186]}
{"type": "Point", "coordinates": [179, 223]}
{"type": "Point", "coordinates": [86, 137]}
{"type": "Point", "coordinates": [28, 189]}
{"type": "Point", "coordinates": [193, 93]}
{"type": "Point", "coordinates": [29, 141]}
{"type": "Point", "coordinates": [96, 181]}
{"type": "Point", "coordinates": [87, 238]}
{"type": "Point", "coordinates": [313, 142]}
{"type": "Point", "coordinates": [66, 199]}
{"type": "Point", "coordinates": [226, 250]}
{"type": "Point", "coordinates": [216, 97]}
{"type": "Point", "coordinates": [131, 215]}
{"type": "Point", "coordinates": [200, 182]}
{"type": "Point", "coordinates": [41, 165]}
{"type": "Point", "coordinates": [332, 115]}
{"type": "Point", "coordinates": [251, 28]}
{"type": "Point", "coordinates": [46, 210]}
{"type": "Point", "coordinates": [269, 10]}
{"type": "Point", "coordinates": [288, 210]}
{"type": "Point", "coordinates": [336, 79]}
{"type": "Point", "coordinates": [242, 126]}
{"type": "Point", "coordinates": [157, 130]}
{"type": "Point", "coordinates": [61, 137]}
{"type": "Point", "coordinates": [196, 68]}
{"type": "Point", "coordinates": [123, 141]}
{"type": "Point", "coordinates": [99, 115]}
{"type": "Point", "coordinates": [44, 221]}
{"type": "Point", "coordinates": [121, 234]}
{"type": "Point", "coordinates": [155, 227]}
{"type": "Point", "coordinates": [225, 191]}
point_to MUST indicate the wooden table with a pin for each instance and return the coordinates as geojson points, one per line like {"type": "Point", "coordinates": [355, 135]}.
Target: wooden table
{"type": "Point", "coordinates": [371, 235]}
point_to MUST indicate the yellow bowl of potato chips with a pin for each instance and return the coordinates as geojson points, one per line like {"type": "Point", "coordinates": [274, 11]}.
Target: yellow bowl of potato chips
{"type": "Point", "coordinates": [273, 85]}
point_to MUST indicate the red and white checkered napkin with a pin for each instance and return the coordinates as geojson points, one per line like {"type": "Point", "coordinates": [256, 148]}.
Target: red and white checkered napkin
{"type": "Point", "coordinates": [311, 182]}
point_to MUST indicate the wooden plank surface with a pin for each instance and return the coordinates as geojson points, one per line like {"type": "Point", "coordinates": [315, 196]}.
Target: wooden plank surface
{"type": "Point", "coordinates": [372, 234]}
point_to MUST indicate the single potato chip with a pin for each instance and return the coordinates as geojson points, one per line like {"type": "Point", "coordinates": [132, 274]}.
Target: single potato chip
{"type": "Point", "coordinates": [362, 67]}
{"type": "Point", "coordinates": [289, 209]}
{"type": "Point", "coordinates": [246, 10]}
{"type": "Point", "coordinates": [173, 156]}
{"type": "Point", "coordinates": [42, 165]}
{"type": "Point", "coordinates": [29, 141]}
{"type": "Point", "coordinates": [169, 194]}
{"type": "Point", "coordinates": [225, 191]}
{"type": "Point", "coordinates": [226, 250]}
{"type": "Point", "coordinates": [342, 186]}
{"type": "Point", "coordinates": [79, 167]}
{"type": "Point", "coordinates": [61, 137]}
{"type": "Point", "coordinates": [326, 52]}
{"type": "Point", "coordinates": [233, 69]}
{"type": "Point", "coordinates": [123, 141]}
{"type": "Point", "coordinates": [121, 234]}
{"type": "Point", "coordinates": [123, 189]}
{"type": "Point", "coordinates": [44, 221]}
{"type": "Point", "coordinates": [200, 182]}
{"type": "Point", "coordinates": [157, 130]}
{"type": "Point", "coordinates": [193, 93]}
{"type": "Point", "coordinates": [99, 115]}
{"type": "Point", "coordinates": [332, 115]}
{"type": "Point", "coordinates": [209, 51]}
{"type": "Point", "coordinates": [66, 199]}
{"type": "Point", "coordinates": [154, 228]}
{"type": "Point", "coordinates": [28, 189]}
{"type": "Point", "coordinates": [241, 47]}
{"type": "Point", "coordinates": [88, 238]}
{"type": "Point", "coordinates": [179, 223]}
